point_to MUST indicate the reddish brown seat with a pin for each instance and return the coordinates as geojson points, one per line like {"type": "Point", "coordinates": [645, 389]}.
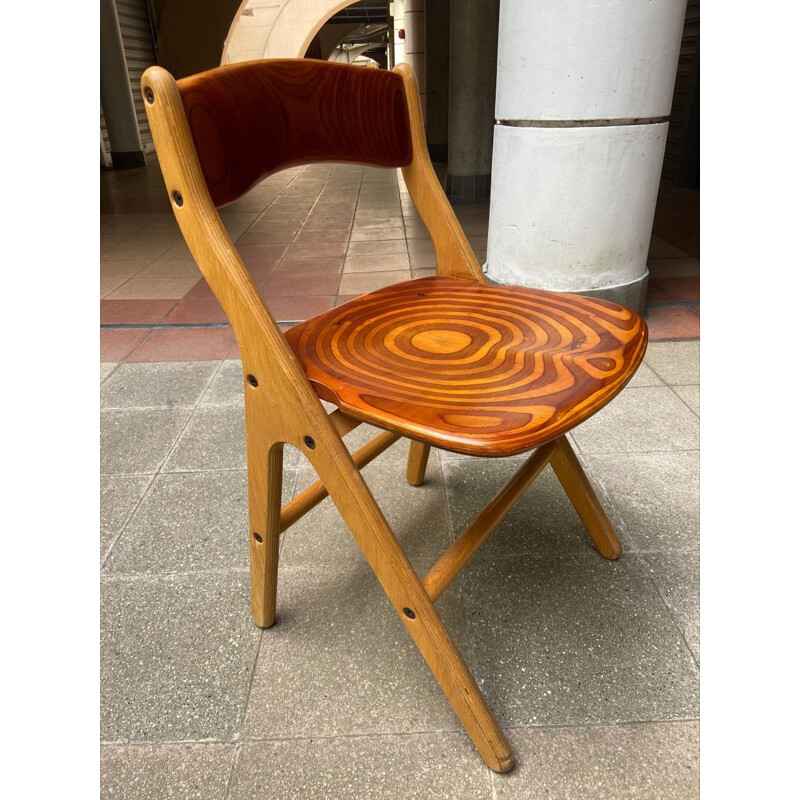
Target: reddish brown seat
{"type": "Point", "coordinates": [447, 361]}
{"type": "Point", "coordinates": [477, 369]}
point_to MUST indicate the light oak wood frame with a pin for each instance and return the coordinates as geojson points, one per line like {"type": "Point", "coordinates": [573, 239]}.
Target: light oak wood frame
{"type": "Point", "coordinates": [281, 408]}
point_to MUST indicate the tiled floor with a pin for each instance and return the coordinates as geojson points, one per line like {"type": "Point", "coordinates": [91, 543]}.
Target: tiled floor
{"type": "Point", "coordinates": [591, 666]}
{"type": "Point", "coordinates": [311, 237]}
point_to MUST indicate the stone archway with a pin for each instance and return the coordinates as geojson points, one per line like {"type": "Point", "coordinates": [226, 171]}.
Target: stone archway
{"type": "Point", "coordinates": [278, 29]}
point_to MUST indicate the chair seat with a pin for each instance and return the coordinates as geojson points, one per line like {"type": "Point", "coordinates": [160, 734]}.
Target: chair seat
{"type": "Point", "coordinates": [472, 368]}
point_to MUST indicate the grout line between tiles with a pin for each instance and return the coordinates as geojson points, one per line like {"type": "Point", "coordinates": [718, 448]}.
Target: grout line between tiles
{"type": "Point", "coordinates": [160, 467]}
{"type": "Point", "coordinates": [673, 616]}
{"type": "Point", "coordinates": [455, 731]}
{"type": "Point", "coordinates": [234, 763]}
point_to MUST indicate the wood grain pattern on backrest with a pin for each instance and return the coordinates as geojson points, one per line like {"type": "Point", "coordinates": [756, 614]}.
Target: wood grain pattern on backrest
{"type": "Point", "coordinates": [254, 118]}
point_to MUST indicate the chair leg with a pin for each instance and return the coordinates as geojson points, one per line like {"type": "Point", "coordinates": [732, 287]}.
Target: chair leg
{"type": "Point", "coordinates": [264, 484]}
{"type": "Point", "coordinates": [579, 490]}
{"type": "Point", "coordinates": [417, 462]}
{"type": "Point", "coordinates": [415, 609]}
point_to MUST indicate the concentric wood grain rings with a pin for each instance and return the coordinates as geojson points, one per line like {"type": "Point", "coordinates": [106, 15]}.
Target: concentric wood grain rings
{"type": "Point", "coordinates": [469, 367]}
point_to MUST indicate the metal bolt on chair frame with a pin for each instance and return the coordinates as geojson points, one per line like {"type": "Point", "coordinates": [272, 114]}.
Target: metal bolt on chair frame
{"type": "Point", "coordinates": [447, 361]}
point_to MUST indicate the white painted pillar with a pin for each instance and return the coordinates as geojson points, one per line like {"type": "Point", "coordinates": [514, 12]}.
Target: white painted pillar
{"type": "Point", "coordinates": [399, 25]}
{"type": "Point", "coordinates": [115, 93]}
{"type": "Point", "coordinates": [584, 90]}
{"type": "Point", "coordinates": [415, 43]}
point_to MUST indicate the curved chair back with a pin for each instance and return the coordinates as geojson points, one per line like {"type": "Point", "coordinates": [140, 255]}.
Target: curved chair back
{"type": "Point", "coordinates": [252, 119]}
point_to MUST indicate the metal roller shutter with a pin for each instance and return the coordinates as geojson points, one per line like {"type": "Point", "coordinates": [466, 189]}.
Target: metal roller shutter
{"type": "Point", "coordinates": [137, 38]}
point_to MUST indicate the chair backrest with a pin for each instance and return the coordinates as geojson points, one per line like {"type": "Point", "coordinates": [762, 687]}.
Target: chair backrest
{"type": "Point", "coordinates": [251, 119]}
{"type": "Point", "coordinates": [218, 133]}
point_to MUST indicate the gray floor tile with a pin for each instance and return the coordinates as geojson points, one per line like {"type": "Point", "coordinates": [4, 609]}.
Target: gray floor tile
{"type": "Point", "coordinates": [690, 395]}
{"type": "Point", "coordinates": [378, 234]}
{"type": "Point", "coordinates": [678, 363]}
{"type": "Point", "coordinates": [189, 521]}
{"type": "Point", "coordinates": [362, 282]}
{"type": "Point", "coordinates": [438, 766]}
{"type": "Point", "coordinates": [653, 498]}
{"type": "Point", "coordinates": [138, 441]}
{"type": "Point", "coordinates": [574, 640]}
{"type": "Point", "coordinates": [422, 260]}
{"type": "Point", "coordinates": [543, 520]}
{"type": "Point", "coordinates": [226, 387]}
{"type": "Point", "coordinates": [377, 247]}
{"type": "Point", "coordinates": [119, 496]}
{"type": "Point", "coordinates": [106, 368]}
{"type": "Point", "coordinates": [640, 420]}
{"type": "Point", "coordinates": [176, 656]}
{"type": "Point", "coordinates": [677, 576]}
{"type": "Point", "coordinates": [416, 514]}
{"type": "Point", "coordinates": [157, 384]}
{"type": "Point", "coordinates": [340, 662]}
{"type": "Point", "coordinates": [374, 263]}
{"type": "Point", "coordinates": [398, 452]}
{"type": "Point", "coordinates": [644, 376]}
{"type": "Point", "coordinates": [174, 771]}
{"type": "Point", "coordinates": [658, 761]}
{"type": "Point", "coordinates": [214, 439]}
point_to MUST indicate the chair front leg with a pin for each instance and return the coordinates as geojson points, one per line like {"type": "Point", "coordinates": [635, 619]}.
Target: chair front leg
{"type": "Point", "coordinates": [415, 608]}
{"type": "Point", "coordinates": [264, 484]}
{"type": "Point", "coordinates": [580, 492]}
{"type": "Point", "coordinates": [417, 462]}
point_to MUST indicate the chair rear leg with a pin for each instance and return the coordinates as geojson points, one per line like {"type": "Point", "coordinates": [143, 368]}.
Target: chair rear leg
{"type": "Point", "coordinates": [417, 462]}
{"type": "Point", "coordinates": [264, 484]}
{"type": "Point", "coordinates": [580, 492]}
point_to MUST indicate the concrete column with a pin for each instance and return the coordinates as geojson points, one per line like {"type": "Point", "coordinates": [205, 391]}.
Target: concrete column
{"type": "Point", "coordinates": [399, 25]}
{"type": "Point", "coordinates": [437, 69]}
{"type": "Point", "coordinates": [473, 63]}
{"type": "Point", "coordinates": [115, 93]}
{"type": "Point", "coordinates": [415, 44]}
{"type": "Point", "coordinates": [584, 90]}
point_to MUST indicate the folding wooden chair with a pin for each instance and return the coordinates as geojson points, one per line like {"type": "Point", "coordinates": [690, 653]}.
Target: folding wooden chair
{"type": "Point", "coordinates": [447, 361]}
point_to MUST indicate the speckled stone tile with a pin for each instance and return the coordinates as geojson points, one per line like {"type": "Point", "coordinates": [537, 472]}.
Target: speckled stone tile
{"type": "Point", "coordinates": [677, 363]}
{"type": "Point", "coordinates": [176, 656]}
{"type": "Point", "coordinates": [644, 376]}
{"type": "Point", "coordinates": [677, 576]}
{"type": "Point", "coordinates": [656, 761]}
{"type": "Point", "coordinates": [653, 498]}
{"type": "Point", "coordinates": [398, 452]}
{"type": "Point", "coordinates": [416, 514]}
{"type": "Point", "coordinates": [138, 441]}
{"type": "Point", "coordinates": [441, 766]}
{"type": "Point", "coordinates": [119, 496]}
{"type": "Point", "coordinates": [189, 521]}
{"type": "Point", "coordinates": [226, 387]}
{"type": "Point", "coordinates": [340, 662]}
{"type": "Point", "coordinates": [157, 384]}
{"type": "Point", "coordinates": [575, 639]}
{"type": "Point", "coordinates": [690, 395]}
{"type": "Point", "coordinates": [543, 520]}
{"type": "Point", "coordinates": [174, 771]}
{"type": "Point", "coordinates": [214, 439]}
{"type": "Point", "coordinates": [106, 369]}
{"type": "Point", "coordinates": [646, 419]}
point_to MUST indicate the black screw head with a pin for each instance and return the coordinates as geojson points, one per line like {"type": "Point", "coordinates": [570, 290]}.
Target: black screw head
{"type": "Point", "coordinates": [149, 96]}
{"type": "Point", "coordinates": [309, 442]}
{"type": "Point", "coordinates": [251, 379]}
{"type": "Point", "coordinates": [257, 537]}
{"type": "Point", "coordinates": [409, 613]}
{"type": "Point", "coordinates": [178, 198]}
